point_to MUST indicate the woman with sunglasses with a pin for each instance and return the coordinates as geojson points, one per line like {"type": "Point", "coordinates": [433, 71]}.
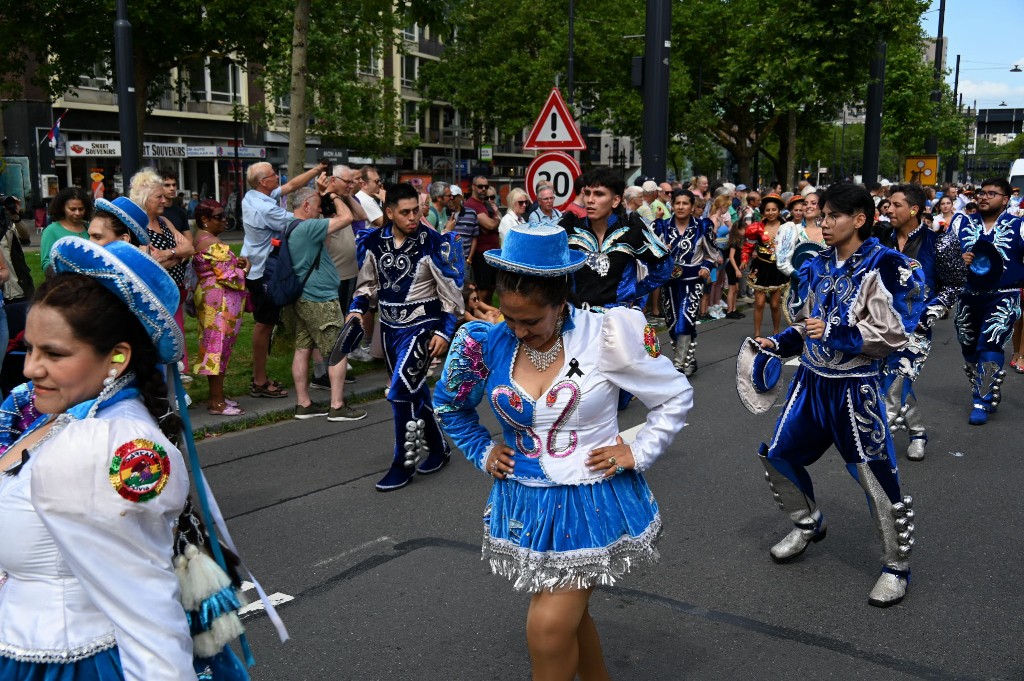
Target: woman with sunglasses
{"type": "Point", "coordinates": [220, 300]}
{"type": "Point", "coordinates": [517, 202]}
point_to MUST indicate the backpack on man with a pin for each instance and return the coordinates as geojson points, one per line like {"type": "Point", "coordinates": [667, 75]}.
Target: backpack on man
{"type": "Point", "coordinates": [280, 282]}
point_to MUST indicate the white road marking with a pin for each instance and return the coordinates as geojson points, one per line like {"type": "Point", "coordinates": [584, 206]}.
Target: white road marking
{"type": "Point", "coordinates": [276, 599]}
{"type": "Point", "coordinates": [364, 545]}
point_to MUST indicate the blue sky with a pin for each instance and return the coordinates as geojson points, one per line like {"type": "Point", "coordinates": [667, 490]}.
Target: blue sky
{"type": "Point", "coordinates": [989, 37]}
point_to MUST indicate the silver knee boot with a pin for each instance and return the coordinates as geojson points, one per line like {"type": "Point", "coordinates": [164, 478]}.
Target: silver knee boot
{"type": "Point", "coordinates": [808, 520]}
{"type": "Point", "coordinates": [684, 359]}
{"type": "Point", "coordinates": [905, 417]}
{"type": "Point", "coordinates": [895, 524]}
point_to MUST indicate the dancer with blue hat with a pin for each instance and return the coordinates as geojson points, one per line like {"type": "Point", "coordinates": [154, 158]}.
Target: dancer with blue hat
{"type": "Point", "coordinates": [119, 220]}
{"type": "Point", "coordinates": [94, 491]}
{"type": "Point", "coordinates": [569, 508]}
{"type": "Point", "coordinates": [93, 481]}
{"type": "Point", "coordinates": [992, 242]}
{"type": "Point", "coordinates": [856, 303]}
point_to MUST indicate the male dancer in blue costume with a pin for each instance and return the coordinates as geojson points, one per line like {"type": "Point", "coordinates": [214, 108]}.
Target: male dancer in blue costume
{"type": "Point", "coordinates": [625, 260]}
{"type": "Point", "coordinates": [939, 257]}
{"type": "Point", "coordinates": [856, 302]}
{"type": "Point", "coordinates": [415, 275]}
{"type": "Point", "coordinates": [693, 256]}
{"type": "Point", "coordinates": [985, 319]}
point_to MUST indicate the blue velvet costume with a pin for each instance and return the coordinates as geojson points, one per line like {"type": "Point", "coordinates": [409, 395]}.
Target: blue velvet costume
{"type": "Point", "coordinates": [944, 269]}
{"type": "Point", "coordinates": [553, 522]}
{"type": "Point", "coordinates": [690, 251]}
{"type": "Point", "coordinates": [417, 287]}
{"type": "Point", "coordinates": [985, 319]}
{"type": "Point", "coordinates": [870, 304]}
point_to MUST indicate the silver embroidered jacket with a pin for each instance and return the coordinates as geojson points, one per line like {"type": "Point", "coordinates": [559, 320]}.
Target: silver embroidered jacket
{"type": "Point", "coordinates": [870, 304]}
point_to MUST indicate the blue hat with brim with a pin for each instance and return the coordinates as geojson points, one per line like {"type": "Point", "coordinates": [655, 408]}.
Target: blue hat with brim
{"type": "Point", "coordinates": [129, 213]}
{"type": "Point", "coordinates": [134, 277]}
{"type": "Point", "coordinates": [758, 376]}
{"type": "Point", "coordinates": [541, 251]}
{"type": "Point", "coordinates": [985, 271]}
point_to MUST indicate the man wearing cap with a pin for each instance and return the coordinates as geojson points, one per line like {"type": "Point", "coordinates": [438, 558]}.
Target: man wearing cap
{"type": "Point", "coordinates": [993, 248]}
{"type": "Point", "coordinates": [646, 209]}
{"type": "Point", "coordinates": [939, 256]}
{"type": "Point", "coordinates": [413, 275]}
{"type": "Point", "coordinates": [857, 302]}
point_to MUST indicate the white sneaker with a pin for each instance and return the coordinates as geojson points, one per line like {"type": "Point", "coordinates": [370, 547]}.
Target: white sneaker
{"type": "Point", "coordinates": [361, 354]}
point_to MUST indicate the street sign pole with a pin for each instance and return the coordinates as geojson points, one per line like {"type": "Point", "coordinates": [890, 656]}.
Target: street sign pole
{"type": "Point", "coordinates": [125, 93]}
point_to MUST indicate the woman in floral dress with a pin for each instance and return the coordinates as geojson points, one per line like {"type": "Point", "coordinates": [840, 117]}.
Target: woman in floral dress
{"type": "Point", "coordinates": [220, 299]}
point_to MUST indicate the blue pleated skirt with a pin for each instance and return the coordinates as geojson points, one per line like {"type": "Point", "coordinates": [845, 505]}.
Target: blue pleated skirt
{"type": "Point", "coordinates": [103, 666]}
{"type": "Point", "coordinates": [570, 536]}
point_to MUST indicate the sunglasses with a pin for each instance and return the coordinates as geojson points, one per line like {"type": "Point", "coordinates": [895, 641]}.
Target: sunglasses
{"type": "Point", "coordinates": [522, 203]}
{"type": "Point", "coordinates": [481, 186]}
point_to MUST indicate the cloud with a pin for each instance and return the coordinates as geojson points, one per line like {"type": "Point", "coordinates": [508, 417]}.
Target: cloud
{"type": "Point", "coordinates": [987, 92]}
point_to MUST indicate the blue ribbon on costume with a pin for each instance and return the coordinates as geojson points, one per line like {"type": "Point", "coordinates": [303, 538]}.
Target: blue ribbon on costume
{"type": "Point", "coordinates": [217, 605]}
{"type": "Point", "coordinates": [204, 495]}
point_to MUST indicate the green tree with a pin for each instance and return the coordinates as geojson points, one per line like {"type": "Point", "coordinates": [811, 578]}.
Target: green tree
{"type": "Point", "coordinates": [58, 40]}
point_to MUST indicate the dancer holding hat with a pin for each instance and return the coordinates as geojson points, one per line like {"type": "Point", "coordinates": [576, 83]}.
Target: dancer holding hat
{"type": "Point", "coordinates": [859, 302]}
{"type": "Point", "coordinates": [569, 508]}
{"type": "Point", "coordinates": [992, 244]}
{"type": "Point", "coordinates": [414, 274]}
{"type": "Point", "coordinates": [92, 480]}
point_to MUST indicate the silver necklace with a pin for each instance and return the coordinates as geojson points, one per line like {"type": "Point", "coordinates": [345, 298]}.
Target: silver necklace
{"type": "Point", "coordinates": [542, 360]}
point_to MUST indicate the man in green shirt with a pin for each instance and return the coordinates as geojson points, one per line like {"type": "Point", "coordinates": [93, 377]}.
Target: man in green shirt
{"type": "Point", "coordinates": [440, 199]}
{"type": "Point", "coordinates": [316, 315]}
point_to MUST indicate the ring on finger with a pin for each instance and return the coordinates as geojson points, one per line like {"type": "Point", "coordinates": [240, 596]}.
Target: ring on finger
{"type": "Point", "coordinates": [611, 461]}
{"type": "Point", "coordinates": [619, 470]}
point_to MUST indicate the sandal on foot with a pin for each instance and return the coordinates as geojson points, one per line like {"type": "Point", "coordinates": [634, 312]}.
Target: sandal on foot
{"type": "Point", "coordinates": [269, 389]}
{"type": "Point", "coordinates": [225, 409]}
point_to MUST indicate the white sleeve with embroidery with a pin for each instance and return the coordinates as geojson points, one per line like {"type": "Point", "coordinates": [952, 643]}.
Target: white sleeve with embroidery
{"type": "Point", "coordinates": [628, 347]}
{"type": "Point", "coordinates": [112, 518]}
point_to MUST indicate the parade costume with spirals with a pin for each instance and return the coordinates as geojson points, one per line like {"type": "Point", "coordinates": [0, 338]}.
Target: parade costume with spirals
{"type": "Point", "coordinates": [870, 304]}
{"type": "Point", "coordinates": [690, 251]}
{"type": "Point", "coordinates": [943, 268]}
{"type": "Point", "coordinates": [554, 523]}
{"type": "Point", "coordinates": [417, 287]}
{"type": "Point", "coordinates": [985, 319]}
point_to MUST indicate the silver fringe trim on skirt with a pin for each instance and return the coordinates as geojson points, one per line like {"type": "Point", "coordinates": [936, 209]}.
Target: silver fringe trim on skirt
{"type": "Point", "coordinates": [49, 656]}
{"type": "Point", "coordinates": [582, 569]}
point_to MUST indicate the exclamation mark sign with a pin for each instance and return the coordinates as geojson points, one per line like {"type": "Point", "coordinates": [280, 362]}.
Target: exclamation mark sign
{"type": "Point", "coordinates": [554, 125]}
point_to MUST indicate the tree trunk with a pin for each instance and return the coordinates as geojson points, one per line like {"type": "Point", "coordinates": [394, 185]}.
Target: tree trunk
{"type": "Point", "coordinates": [297, 116]}
{"type": "Point", "coordinates": [790, 150]}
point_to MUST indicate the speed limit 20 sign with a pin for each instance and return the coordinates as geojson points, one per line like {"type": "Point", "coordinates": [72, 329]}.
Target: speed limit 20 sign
{"type": "Point", "coordinates": [561, 170]}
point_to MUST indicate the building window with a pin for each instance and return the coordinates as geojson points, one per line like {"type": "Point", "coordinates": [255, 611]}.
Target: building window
{"type": "Point", "coordinates": [215, 80]}
{"type": "Point", "coordinates": [283, 105]}
{"type": "Point", "coordinates": [409, 118]}
{"type": "Point", "coordinates": [95, 79]}
{"type": "Point", "coordinates": [411, 33]}
{"type": "Point", "coordinates": [409, 67]}
{"type": "Point", "coordinates": [368, 64]}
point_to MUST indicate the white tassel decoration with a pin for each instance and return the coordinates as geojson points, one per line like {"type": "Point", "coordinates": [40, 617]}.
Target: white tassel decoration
{"type": "Point", "coordinates": [200, 577]}
{"type": "Point", "coordinates": [224, 630]}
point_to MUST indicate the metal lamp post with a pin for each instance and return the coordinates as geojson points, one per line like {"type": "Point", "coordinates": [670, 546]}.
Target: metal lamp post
{"type": "Point", "coordinates": [125, 93]}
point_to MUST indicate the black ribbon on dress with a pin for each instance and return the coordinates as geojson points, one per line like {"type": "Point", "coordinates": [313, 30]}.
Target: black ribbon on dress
{"type": "Point", "coordinates": [574, 368]}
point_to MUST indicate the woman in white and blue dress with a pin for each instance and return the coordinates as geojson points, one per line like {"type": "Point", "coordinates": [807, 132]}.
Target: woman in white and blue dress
{"type": "Point", "coordinates": [90, 481]}
{"type": "Point", "coordinates": [569, 509]}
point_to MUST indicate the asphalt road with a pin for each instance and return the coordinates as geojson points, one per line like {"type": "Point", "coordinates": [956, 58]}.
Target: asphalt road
{"type": "Point", "coordinates": [391, 586]}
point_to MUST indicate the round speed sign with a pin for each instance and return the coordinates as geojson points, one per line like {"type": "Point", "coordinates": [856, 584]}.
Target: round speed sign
{"type": "Point", "coordinates": [560, 169]}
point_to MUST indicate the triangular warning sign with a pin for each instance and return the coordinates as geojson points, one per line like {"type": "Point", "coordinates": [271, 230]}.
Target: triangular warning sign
{"type": "Point", "coordinates": [555, 128]}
